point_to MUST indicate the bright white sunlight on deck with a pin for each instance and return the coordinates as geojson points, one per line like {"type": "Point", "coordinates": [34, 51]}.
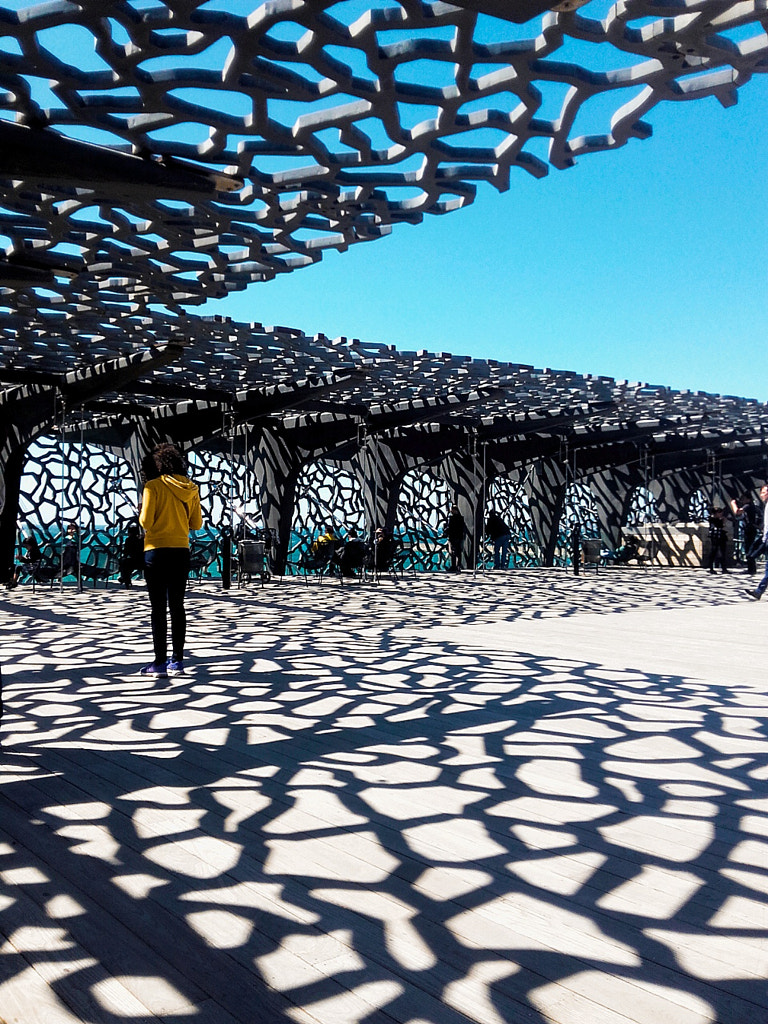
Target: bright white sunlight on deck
{"type": "Point", "coordinates": [537, 798]}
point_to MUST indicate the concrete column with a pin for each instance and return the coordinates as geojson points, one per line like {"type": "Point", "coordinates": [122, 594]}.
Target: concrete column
{"type": "Point", "coordinates": [282, 463]}
{"type": "Point", "coordinates": [463, 473]}
{"type": "Point", "coordinates": [380, 468]}
{"type": "Point", "coordinates": [612, 490]}
{"type": "Point", "coordinates": [546, 495]}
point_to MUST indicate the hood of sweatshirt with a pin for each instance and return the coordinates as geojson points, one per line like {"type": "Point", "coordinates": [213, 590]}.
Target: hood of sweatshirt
{"type": "Point", "coordinates": [179, 486]}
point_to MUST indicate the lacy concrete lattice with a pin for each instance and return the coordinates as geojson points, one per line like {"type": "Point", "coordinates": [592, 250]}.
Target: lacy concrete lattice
{"type": "Point", "coordinates": [192, 148]}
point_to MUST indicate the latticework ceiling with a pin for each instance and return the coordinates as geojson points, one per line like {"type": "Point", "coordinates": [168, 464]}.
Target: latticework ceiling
{"type": "Point", "coordinates": [154, 155]}
{"type": "Point", "coordinates": [330, 393]}
{"type": "Point", "coordinates": [163, 153]}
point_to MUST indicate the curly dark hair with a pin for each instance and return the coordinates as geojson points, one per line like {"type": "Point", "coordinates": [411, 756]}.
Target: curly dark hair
{"type": "Point", "coordinates": [169, 460]}
{"type": "Point", "coordinates": [149, 470]}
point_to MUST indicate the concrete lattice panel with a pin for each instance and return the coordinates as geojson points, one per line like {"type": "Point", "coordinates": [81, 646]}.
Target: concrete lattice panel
{"type": "Point", "coordinates": [164, 153]}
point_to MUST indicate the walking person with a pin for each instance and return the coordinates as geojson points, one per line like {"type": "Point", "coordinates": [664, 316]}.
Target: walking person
{"type": "Point", "coordinates": [759, 590]}
{"type": "Point", "coordinates": [170, 508]}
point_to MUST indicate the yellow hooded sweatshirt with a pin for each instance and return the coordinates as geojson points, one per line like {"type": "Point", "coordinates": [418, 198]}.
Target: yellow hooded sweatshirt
{"type": "Point", "coordinates": [170, 508]}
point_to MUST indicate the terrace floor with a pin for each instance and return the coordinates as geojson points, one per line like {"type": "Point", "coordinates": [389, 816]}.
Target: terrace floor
{"type": "Point", "coordinates": [519, 797]}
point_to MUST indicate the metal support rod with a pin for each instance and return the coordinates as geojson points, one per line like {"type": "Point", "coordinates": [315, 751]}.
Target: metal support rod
{"type": "Point", "coordinates": [484, 494]}
{"type": "Point", "coordinates": [60, 445]}
{"type": "Point", "coordinates": [80, 514]}
{"type": "Point", "coordinates": [473, 456]}
{"type": "Point", "coordinates": [375, 478]}
{"type": "Point", "coordinates": [226, 557]}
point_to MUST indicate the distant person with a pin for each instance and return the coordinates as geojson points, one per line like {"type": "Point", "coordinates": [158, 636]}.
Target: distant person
{"type": "Point", "coordinates": [624, 553]}
{"type": "Point", "coordinates": [30, 557]}
{"type": "Point", "coordinates": [747, 512]}
{"type": "Point", "coordinates": [132, 554]}
{"type": "Point", "coordinates": [70, 551]}
{"type": "Point", "coordinates": [759, 590]}
{"type": "Point", "coordinates": [328, 537]}
{"type": "Point", "coordinates": [499, 533]}
{"type": "Point", "coordinates": [352, 556]}
{"type": "Point", "coordinates": [383, 548]}
{"type": "Point", "coordinates": [718, 538]}
{"type": "Point", "coordinates": [455, 529]}
{"type": "Point", "coordinates": [170, 508]}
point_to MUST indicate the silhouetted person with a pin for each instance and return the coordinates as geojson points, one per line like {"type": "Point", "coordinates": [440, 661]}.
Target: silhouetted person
{"type": "Point", "coordinates": [759, 590]}
{"type": "Point", "coordinates": [746, 510]}
{"type": "Point", "coordinates": [455, 529]}
{"type": "Point", "coordinates": [30, 557]}
{"type": "Point", "coordinates": [352, 555]}
{"type": "Point", "coordinates": [718, 538]}
{"type": "Point", "coordinates": [500, 535]}
{"type": "Point", "coordinates": [70, 551]}
{"type": "Point", "coordinates": [132, 554]}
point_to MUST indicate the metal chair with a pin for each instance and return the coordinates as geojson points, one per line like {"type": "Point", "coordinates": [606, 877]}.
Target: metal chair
{"type": "Point", "coordinates": [317, 562]}
{"type": "Point", "coordinates": [590, 553]}
{"type": "Point", "coordinates": [251, 561]}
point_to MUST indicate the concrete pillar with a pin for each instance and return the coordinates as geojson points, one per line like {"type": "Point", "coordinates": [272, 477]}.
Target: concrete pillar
{"type": "Point", "coordinates": [463, 472]}
{"type": "Point", "coordinates": [612, 490]}
{"type": "Point", "coordinates": [282, 463]}
{"type": "Point", "coordinates": [546, 485]}
{"type": "Point", "coordinates": [379, 471]}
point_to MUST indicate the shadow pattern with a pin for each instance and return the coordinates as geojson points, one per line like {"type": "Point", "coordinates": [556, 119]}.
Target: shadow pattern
{"type": "Point", "coordinates": [328, 822]}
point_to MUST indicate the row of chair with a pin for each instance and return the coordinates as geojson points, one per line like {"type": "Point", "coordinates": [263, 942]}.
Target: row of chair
{"type": "Point", "coordinates": [352, 560]}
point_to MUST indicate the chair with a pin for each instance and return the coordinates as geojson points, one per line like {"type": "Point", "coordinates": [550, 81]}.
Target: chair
{"type": "Point", "coordinates": [399, 559]}
{"type": "Point", "coordinates": [202, 553]}
{"type": "Point", "coordinates": [591, 553]}
{"type": "Point", "coordinates": [251, 561]}
{"type": "Point", "coordinates": [46, 569]}
{"type": "Point", "coordinates": [98, 564]}
{"type": "Point", "coordinates": [349, 559]}
{"type": "Point", "coordinates": [388, 558]}
{"type": "Point", "coordinates": [317, 562]}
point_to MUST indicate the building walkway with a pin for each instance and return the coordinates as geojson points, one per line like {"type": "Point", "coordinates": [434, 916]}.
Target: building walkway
{"type": "Point", "coordinates": [521, 797]}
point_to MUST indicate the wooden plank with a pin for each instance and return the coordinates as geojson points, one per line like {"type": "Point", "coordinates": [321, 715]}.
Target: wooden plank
{"type": "Point", "coordinates": [585, 900]}
{"type": "Point", "coordinates": [161, 941]}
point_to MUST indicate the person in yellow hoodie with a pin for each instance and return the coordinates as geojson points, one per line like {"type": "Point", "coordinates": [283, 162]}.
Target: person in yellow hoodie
{"type": "Point", "coordinates": [170, 508]}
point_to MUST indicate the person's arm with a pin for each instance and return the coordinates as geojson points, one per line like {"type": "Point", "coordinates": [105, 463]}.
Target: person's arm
{"type": "Point", "coordinates": [195, 514]}
{"type": "Point", "coordinates": [147, 514]}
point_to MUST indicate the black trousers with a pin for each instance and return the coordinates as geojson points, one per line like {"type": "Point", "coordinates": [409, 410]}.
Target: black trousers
{"type": "Point", "coordinates": [166, 571]}
{"type": "Point", "coordinates": [717, 551]}
{"type": "Point", "coordinates": [750, 536]}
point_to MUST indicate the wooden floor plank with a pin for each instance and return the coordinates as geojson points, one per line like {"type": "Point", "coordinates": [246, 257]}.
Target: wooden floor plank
{"type": "Point", "coordinates": [483, 799]}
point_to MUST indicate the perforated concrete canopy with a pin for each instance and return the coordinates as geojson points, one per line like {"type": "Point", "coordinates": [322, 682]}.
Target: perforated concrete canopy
{"type": "Point", "coordinates": [153, 155]}
{"type": "Point", "coordinates": [329, 393]}
{"type": "Point", "coordinates": [162, 153]}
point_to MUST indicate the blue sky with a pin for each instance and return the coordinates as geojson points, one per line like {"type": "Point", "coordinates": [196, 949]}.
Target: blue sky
{"type": "Point", "coordinates": [648, 263]}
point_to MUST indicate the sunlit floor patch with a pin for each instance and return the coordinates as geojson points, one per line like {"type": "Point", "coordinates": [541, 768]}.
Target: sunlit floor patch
{"type": "Point", "coordinates": [356, 807]}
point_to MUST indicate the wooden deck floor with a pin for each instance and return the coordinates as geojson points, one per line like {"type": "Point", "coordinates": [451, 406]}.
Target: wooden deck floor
{"type": "Point", "coordinates": [517, 798]}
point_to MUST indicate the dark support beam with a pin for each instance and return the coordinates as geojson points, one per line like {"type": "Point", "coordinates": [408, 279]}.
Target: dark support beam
{"type": "Point", "coordinates": [45, 156]}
